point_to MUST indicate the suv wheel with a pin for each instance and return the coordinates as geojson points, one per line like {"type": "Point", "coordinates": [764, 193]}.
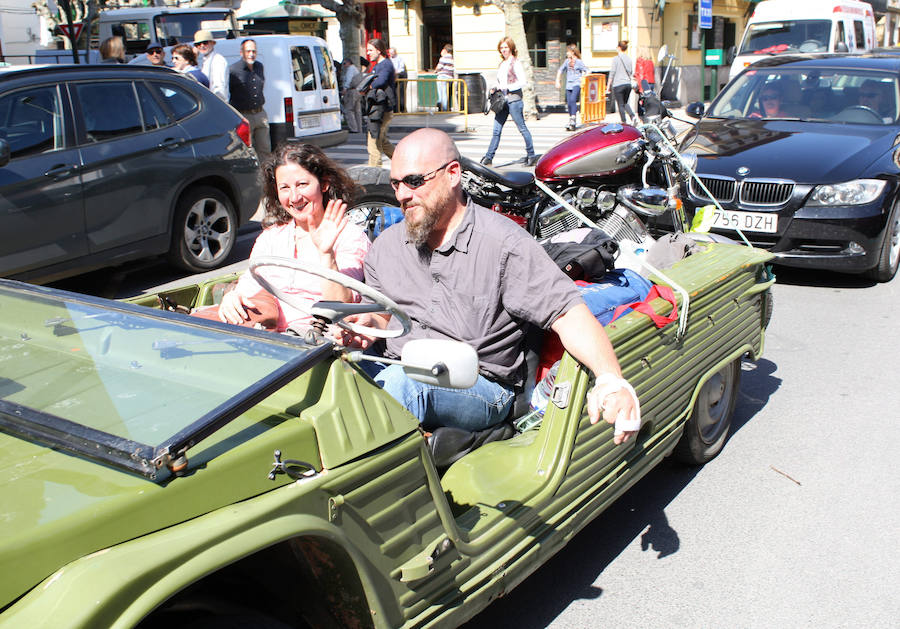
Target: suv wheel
{"type": "Point", "coordinates": [204, 230]}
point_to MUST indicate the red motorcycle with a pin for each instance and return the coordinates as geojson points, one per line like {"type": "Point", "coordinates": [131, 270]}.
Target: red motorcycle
{"type": "Point", "coordinates": [605, 176]}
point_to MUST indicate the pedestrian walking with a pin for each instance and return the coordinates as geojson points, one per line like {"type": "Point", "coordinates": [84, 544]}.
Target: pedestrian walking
{"type": "Point", "coordinates": [184, 60]}
{"type": "Point", "coordinates": [446, 72]}
{"type": "Point", "coordinates": [620, 79]}
{"type": "Point", "coordinates": [510, 80]}
{"type": "Point", "coordinates": [574, 68]}
{"type": "Point", "coordinates": [212, 63]}
{"type": "Point", "coordinates": [399, 73]}
{"type": "Point", "coordinates": [246, 80]}
{"type": "Point", "coordinates": [380, 100]}
{"type": "Point", "coordinates": [350, 80]}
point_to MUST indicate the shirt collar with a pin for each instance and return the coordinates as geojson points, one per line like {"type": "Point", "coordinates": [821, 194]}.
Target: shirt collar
{"type": "Point", "coordinates": [462, 235]}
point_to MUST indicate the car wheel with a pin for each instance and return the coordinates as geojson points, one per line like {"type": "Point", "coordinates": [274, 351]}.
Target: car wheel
{"type": "Point", "coordinates": [204, 230]}
{"type": "Point", "coordinates": [369, 207]}
{"type": "Point", "coordinates": [707, 428]}
{"type": "Point", "coordinates": [889, 255]}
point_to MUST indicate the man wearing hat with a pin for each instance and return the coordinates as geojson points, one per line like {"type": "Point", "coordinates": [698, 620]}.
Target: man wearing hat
{"type": "Point", "coordinates": [212, 63]}
{"type": "Point", "coordinates": [154, 55]}
{"type": "Point", "coordinates": [246, 80]}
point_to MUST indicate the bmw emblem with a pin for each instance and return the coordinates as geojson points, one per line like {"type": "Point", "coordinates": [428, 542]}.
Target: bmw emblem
{"type": "Point", "coordinates": [743, 171]}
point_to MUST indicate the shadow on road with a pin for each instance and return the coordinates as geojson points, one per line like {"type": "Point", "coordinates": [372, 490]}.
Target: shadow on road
{"type": "Point", "coordinates": [826, 279]}
{"type": "Point", "coordinates": [639, 513]}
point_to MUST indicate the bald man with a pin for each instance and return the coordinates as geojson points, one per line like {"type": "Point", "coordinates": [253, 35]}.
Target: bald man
{"type": "Point", "coordinates": [463, 272]}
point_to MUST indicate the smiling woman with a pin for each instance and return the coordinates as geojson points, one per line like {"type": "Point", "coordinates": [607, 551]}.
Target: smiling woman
{"type": "Point", "coordinates": [306, 197]}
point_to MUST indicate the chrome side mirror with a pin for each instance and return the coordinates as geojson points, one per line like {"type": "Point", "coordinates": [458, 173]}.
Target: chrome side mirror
{"type": "Point", "coordinates": [440, 362]}
{"type": "Point", "coordinates": [644, 201]}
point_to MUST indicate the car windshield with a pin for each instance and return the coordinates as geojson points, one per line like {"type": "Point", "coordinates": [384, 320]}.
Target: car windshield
{"type": "Point", "coordinates": [89, 375]}
{"type": "Point", "coordinates": [179, 28]}
{"type": "Point", "coordinates": [853, 96]}
{"type": "Point", "coordinates": [769, 38]}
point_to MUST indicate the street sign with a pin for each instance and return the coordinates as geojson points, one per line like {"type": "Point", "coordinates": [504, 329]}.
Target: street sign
{"type": "Point", "coordinates": [76, 30]}
{"type": "Point", "coordinates": [593, 91]}
{"type": "Point", "coordinates": [705, 13]}
{"type": "Point", "coordinates": [714, 57]}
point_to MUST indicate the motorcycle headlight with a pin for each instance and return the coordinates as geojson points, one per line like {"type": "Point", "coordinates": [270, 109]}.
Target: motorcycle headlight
{"type": "Point", "coordinates": [856, 192]}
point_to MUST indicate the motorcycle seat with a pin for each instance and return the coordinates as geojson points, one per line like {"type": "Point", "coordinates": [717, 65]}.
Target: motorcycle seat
{"type": "Point", "coordinates": [514, 179]}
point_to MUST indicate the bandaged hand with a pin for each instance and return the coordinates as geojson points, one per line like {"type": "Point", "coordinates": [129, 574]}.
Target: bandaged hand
{"type": "Point", "coordinates": [615, 399]}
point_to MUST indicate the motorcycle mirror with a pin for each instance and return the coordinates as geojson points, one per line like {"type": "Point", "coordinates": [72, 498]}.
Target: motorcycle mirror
{"type": "Point", "coordinates": [440, 362]}
{"type": "Point", "coordinates": [645, 201]}
{"type": "Point", "coordinates": [663, 51]}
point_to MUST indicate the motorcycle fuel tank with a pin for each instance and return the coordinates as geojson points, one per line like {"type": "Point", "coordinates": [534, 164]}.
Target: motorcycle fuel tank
{"type": "Point", "coordinates": [588, 153]}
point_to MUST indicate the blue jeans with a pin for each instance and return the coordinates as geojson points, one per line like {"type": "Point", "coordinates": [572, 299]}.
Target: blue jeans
{"type": "Point", "coordinates": [515, 109]}
{"type": "Point", "coordinates": [485, 404]}
{"type": "Point", "coordinates": [572, 97]}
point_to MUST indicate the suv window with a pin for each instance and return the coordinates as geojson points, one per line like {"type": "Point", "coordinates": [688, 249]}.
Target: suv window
{"type": "Point", "coordinates": [180, 101]}
{"type": "Point", "coordinates": [154, 116]}
{"type": "Point", "coordinates": [109, 108]}
{"type": "Point", "coordinates": [304, 75]}
{"type": "Point", "coordinates": [326, 68]}
{"type": "Point", "coordinates": [31, 121]}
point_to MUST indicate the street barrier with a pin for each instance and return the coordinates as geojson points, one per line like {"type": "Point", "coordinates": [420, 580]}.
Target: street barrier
{"type": "Point", "coordinates": [423, 96]}
{"type": "Point", "coordinates": [593, 98]}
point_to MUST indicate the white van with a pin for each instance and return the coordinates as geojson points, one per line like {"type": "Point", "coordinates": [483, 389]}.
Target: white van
{"type": "Point", "coordinates": [301, 87]}
{"type": "Point", "coordinates": [791, 26]}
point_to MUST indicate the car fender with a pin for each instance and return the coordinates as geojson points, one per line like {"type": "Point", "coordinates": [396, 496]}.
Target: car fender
{"type": "Point", "coordinates": [131, 591]}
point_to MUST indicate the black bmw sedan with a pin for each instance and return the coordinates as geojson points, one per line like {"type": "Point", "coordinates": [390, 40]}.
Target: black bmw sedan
{"type": "Point", "coordinates": [802, 154]}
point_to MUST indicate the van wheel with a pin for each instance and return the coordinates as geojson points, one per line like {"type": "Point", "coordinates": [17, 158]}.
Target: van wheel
{"type": "Point", "coordinates": [203, 231]}
{"type": "Point", "coordinates": [889, 254]}
{"type": "Point", "coordinates": [707, 428]}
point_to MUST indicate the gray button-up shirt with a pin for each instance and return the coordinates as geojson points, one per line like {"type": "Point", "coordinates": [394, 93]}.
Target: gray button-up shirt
{"type": "Point", "coordinates": [479, 287]}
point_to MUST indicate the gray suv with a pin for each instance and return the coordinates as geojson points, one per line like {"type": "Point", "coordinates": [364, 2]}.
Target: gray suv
{"type": "Point", "coordinates": [102, 164]}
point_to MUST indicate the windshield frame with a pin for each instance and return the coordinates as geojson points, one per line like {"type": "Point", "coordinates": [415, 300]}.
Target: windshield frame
{"type": "Point", "coordinates": [155, 462]}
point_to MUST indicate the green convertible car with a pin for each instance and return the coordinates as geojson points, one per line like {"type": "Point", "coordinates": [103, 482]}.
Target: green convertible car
{"type": "Point", "coordinates": [163, 470]}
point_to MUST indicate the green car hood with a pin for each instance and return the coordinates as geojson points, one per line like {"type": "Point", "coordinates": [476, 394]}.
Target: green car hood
{"type": "Point", "coordinates": [58, 507]}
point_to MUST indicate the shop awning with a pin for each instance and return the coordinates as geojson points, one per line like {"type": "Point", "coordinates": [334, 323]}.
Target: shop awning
{"type": "Point", "coordinates": [254, 9]}
{"type": "Point", "coordinates": [551, 6]}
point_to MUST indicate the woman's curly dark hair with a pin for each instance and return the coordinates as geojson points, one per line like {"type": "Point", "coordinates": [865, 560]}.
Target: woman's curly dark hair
{"type": "Point", "coordinates": [334, 180]}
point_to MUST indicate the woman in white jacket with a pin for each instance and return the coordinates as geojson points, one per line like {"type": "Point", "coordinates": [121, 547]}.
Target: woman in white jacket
{"type": "Point", "coordinates": [510, 80]}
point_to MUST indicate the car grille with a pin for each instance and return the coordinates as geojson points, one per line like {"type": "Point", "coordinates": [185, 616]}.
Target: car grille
{"type": "Point", "coordinates": [765, 192]}
{"type": "Point", "coordinates": [749, 192]}
{"type": "Point", "coordinates": [722, 189]}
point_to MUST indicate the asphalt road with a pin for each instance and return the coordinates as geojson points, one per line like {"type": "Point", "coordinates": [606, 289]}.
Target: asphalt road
{"type": "Point", "coordinates": [795, 524]}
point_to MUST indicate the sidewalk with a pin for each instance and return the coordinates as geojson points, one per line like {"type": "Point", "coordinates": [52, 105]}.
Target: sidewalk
{"type": "Point", "coordinates": [478, 123]}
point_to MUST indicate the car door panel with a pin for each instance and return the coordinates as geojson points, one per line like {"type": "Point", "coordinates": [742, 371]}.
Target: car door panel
{"type": "Point", "coordinates": [41, 204]}
{"type": "Point", "coordinates": [129, 184]}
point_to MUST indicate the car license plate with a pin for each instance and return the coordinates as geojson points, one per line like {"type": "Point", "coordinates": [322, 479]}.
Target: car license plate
{"type": "Point", "coordinates": [746, 221]}
{"type": "Point", "coordinates": [308, 122]}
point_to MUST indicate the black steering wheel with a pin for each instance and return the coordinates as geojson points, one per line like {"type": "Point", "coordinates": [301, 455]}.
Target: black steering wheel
{"type": "Point", "coordinates": [334, 311]}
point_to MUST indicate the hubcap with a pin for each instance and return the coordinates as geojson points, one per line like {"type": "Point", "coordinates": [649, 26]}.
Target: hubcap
{"type": "Point", "coordinates": [714, 401]}
{"type": "Point", "coordinates": [208, 230]}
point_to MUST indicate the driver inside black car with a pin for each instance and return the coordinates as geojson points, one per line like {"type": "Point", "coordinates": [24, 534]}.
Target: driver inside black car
{"type": "Point", "coordinates": [874, 95]}
{"type": "Point", "coordinates": [305, 199]}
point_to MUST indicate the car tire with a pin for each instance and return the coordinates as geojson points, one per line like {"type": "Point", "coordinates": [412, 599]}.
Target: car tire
{"type": "Point", "coordinates": [707, 428]}
{"type": "Point", "coordinates": [889, 254]}
{"type": "Point", "coordinates": [367, 208]}
{"type": "Point", "coordinates": [203, 231]}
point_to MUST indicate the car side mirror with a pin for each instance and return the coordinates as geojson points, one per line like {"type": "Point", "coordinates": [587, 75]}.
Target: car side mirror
{"type": "Point", "coordinates": [440, 362]}
{"type": "Point", "coordinates": [4, 152]}
{"type": "Point", "coordinates": [695, 110]}
{"type": "Point", "coordinates": [841, 47]}
{"type": "Point", "coordinates": [730, 55]}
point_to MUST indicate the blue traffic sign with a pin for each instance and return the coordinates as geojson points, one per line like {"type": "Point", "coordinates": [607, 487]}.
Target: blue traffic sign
{"type": "Point", "coordinates": [705, 13]}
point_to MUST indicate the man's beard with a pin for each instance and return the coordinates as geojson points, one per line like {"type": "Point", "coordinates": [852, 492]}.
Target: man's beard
{"type": "Point", "coordinates": [418, 232]}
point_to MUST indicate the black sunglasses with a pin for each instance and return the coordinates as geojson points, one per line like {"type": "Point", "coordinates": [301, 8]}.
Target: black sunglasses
{"type": "Point", "coordinates": [417, 181]}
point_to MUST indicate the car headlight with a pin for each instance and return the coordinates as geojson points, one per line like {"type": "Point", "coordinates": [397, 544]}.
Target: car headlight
{"type": "Point", "coordinates": [854, 192]}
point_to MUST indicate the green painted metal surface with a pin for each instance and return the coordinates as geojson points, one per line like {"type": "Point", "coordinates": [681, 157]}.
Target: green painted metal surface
{"type": "Point", "coordinates": [426, 550]}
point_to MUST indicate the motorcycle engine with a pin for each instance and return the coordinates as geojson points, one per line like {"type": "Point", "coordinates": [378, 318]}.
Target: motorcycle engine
{"type": "Point", "coordinates": [600, 206]}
